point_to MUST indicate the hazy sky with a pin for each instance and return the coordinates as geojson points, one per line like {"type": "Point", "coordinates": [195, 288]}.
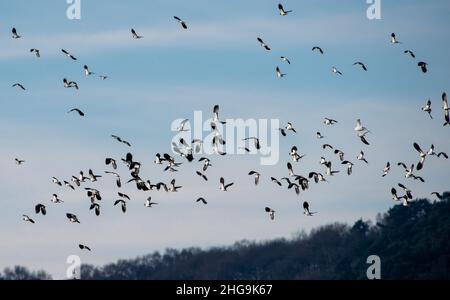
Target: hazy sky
{"type": "Point", "coordinates": [170, 74]}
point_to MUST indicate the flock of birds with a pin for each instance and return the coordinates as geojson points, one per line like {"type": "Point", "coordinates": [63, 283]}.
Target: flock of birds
{"type": "Point", "coordinates": [184, 151]}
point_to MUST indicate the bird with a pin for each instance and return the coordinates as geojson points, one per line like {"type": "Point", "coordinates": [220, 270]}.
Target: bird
{"type": "Point", "coordinates": [27, 219]}
{"type": "Point", "coordinates": [80, 113]}
{"type": "Point", "coordinates": [279, 73]}
{"type": "Point", "coordinates": [112, 162]}
{"type": "Point", "coordinates": [306, 210]}
{"type": "Point", "coordinates": [123, 205]}
{"type": "Point", "coordinates": [395, 197]}
{"type": "Point", "coordinates": [201, 200]}
{"type": "Point", "coordinates": [92, 176]}
{"type": "Point", "coordinates": [282, 11]}
{"type": "Point", "coordinates": [271, 212]}
{"type": "Point", "coordinates": [273, 179]}
{"type": "Point", "coordinates": [257, 176]}
{"type": "Point", "coordinates": [407, 191]}
{"type": "Point", "coordinates": [328, 121]}
{"type": "Point", "coordinates": [328, 170]}
{"type": "Point", "coordinates": [72, 218]}
{"type": "Point", "coordinates": [438, 195]}
{"type": "Point", "coordinates": [427, 108]}
{"type": "Point", "coordinates": [19, 161]}
{"type": "Point", "coordinates": [119, 139]}
{"type": "Point", "coordinates": [182, 23]}
{"type": "Point", "coordinates": [394, 39]}
{"type": "Point", "coordinates": [224, 187]}
{"type": "Point", "coordinates": [256, 141]}
{"type": "Point", "coordinates": [363, 66]}
{"type": "Point", "coordinates": [422, 155]}
{"type": "Point", "coordinates": [285, 59]}
{"type": "Point", "coordinates": [56, 181]}
{"type": "Point", "coordinates": [290, 127]}
{"type": "Point", "coordinates": [55, 199]}
{"type": "Point", "coordinates": [216, 115]}
{"type": "Point", "coordinates": [103, 77]}
{"type": "Point", "coordinates": [19, 85]}
{"type": "Point", "coordinates": [362, 137]}
{"type": "Point", "coordinates": [149, 203]}
{"type": "Point", "coordinates": [294, 154]}
{"type": "Point", "coordinates": [36, 52]}
{"type": "Point", "coordinates": [325, 146]}
{"type": "Point", "coordinates": [122, 195]}
{"type": "Point", "coordinates": [118, 182]}
{"type": "Point", "coordinates": [68, 54]}
{"type": "Point", "coordinates": [70, 84]}
{"type": "Point", "coordinates": [319, 135]}
{"type": "Point", "coordinates": [96, 208]}
{"type": "Point", "coordinates": [423, 66]}
{"type": "Point", "coordinates": [135, 35]}
{"type": "Point", "coordinates": [67, 184]}
{"type": "Point", "coordinates": [409, 172]}
{"type": "Point", "coordinates": [386, 169]}
{"type": "Point", "coordinates": [316, 48]}
{"type": "Point", "coordinates": [14, 33]}
{"type": "Point", "coordinates": [361, 157]}
{"type": "Point", "coordinates": [410, 53]}
{"type": "Point", "coordinates": [336, 71]}
{"type": "Point", "coordinates": [349, 167]}
{"type": "Point", "coordinates": [183, 123]}
{"type": "Point", "coordinates": [84, 247]}
{"type": "Point", "coordinates": [206, 163]}
{"type": "Point", "coordinates": [87, 72]}
{"type": "Point", "coordinates": [40, 209]}
{"type": "Point", "coordinates": [446, 109]}
{"type": "Point", "coordinates": [340, 153]}
{"type": "Point", "coordinates": [264, 45]}
{"type": "Point", "coordinates": [202, 175]}
{"type": "Point", "coordinates": [359, 128]}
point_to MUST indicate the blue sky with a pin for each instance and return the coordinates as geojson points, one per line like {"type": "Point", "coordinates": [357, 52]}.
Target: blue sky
{"type": "Point", "coordinates": [171, 73]}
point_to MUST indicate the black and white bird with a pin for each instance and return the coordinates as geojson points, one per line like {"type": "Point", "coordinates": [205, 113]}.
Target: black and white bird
{"type": "Point", "coordinates": [328, 170]}
{"type": "Point", "coordinates": [340, 153]}
{"type": "Point", "coordinates": [40, 209]}
{"type": "Point", "coordinates": [438, 195]}
{"type": "Point", "coordinates": [183, 123]}
{"type": "Point", "coordinates": [285, 59]}
{"type": "Point", "coordinates": [422, 155]}
{"type": "Point", "coordinates": [361, 157]}
{"type": "Point", "coordinates": [118, 182]}
{"type": "Point", "coordinates": [76, 180]}
{"type": "Point", "coordinates": [349, 166]}
{"type": "Point", "coordinates": [432, 152]}
{"type": "Point", "coordinates": [70, 84]}
{"type": "Point", "coordinates": [149, 203]}
{"type": "Point", "coordinates": [182, 23]}
{"type": "Point", "coordinates": [68, 54]}
{"type": "Point", "coordinates": [409, 172]}
{"type": "Point", "coordinates": [77, 110]}
{"type": "Point", "coordinates": [279, 73]}
{"type": "Point", "coordinates": [446, 109]}
{"type": "Point", "coordinates": [386, 169]}
{"type": "Point", "coordinates": [122, 203]}
{"type": "Point", "coordinates": [407, 191]}
{"type": "Point", "coordinates": [336, 71]}
{"type": "Point", "coordinates": [282, 11]}
{"type": "Point", "coordinates": [56, 181]}
{"type": "Point", "coordinates": [319, 135]}
{"type": "Point", "coordinates": [423, 66]}
{"type": "Point", "coordinates": [27, 219]}
{"type": "Point", "coordinates": [256, 175]}
{"type": "Point", "coordinates": [264, 45]}
{"type": "Point", "coordinates": [173, 187]}
{"type": "Point", "coordinates": [410, 53]}
{"type": "Point", "coordinates": [14, 33]}
{"type": "Point", "coordinates": [202, 200]}
{"type": "Point", "coordinates": [84, 247]}
{"type": "Point", "coordinates": [273, 179]}
{"type": "Point", "coordinates": [403, 198]}
{"type": "Point", "coordinates": [271, 212]}
{"type": "Point", "coordinates": [394, 39]}
{"type": "Point", "coordinates": [290, 127]}
{"type": "Point", "coordinates": [96, 208]}
{"type": "Point", "coordinates": [256, 142]}
{"type": "Point", "coordinates": [362, 136]}
{"type": "Point", "coordinates": [55, 199]}
{"type": "Point", "coordinates": [19, 85]}
{"type": "Point", "coordinates": [93, 194]}
{"type": "Point", "coordinates": [202, 175]}
{"type": "Point", "coordinates": [362, 65]}
{"type": "Point", "coordinates": [316, 48]}
{"type": "Point", "coordinates": [318, 177]}
{"type": "Point", "coordinates": [306, 210]}
{"type": "Point", "coordinates": [112, 162]}
{"type": "Point", "coordinates": [135, 35]}
{"type": "Point", "coordinates": [224, 187]}
{"type": "Point", "coordinates": [216, 115]}
{"type": "Point", "coordinates": [36, 52]}
{"type": "Point", "coordinates": [328, 121]}
{"type": "Point", "coordinates": [72, 218]}
{"type": "Point", "coordinates": [68, 185]}
{"type": "Point", "coordinates": [92, 176]}
{"type": "Point", "coordinates": [19, 161]}
{"type": "Point", "coordinates": [206, 163]}
{"type": "Point", "coordinates": [119, 139]}
{"type": "Point", "coordinates": [294, 154]}
{"type": "Point", "coordinates": [427, 108]}
{"type": "Point", "coordinates": [87, 72]}
{"type": "Point", "coordinates": [325, 146]}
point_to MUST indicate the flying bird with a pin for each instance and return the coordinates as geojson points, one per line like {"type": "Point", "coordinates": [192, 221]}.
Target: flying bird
{"type": "Point", "coordinates": [182, 23]}
{"type": "Point", "coordinates": [446, 109]}
{"type": "Point", "coordinates": [285, 59]}
{"type": "Point", "coordinates": [279, 73]}
{"type": "Point", "coordinates": [264, 45]}
{"type": "Point", "coordinates": [394, 39]}
{"type": "Point", "coordinates": [40, 209]}
{"type": "Point", "coordinates": [123, 205]}
{"type": "Point", "coordinates": [27, 219]}
{"type": "Point", "coordinates": [149, 203]}
{"type": "Point", "coordinates": [72, 218]}
{"type": "Point", "coordinates": [19, 85]}
{"type": "Point", "coordinates": [84, 247]}
{"type": "Point", "coordinates": [271, 212]}
{"type": "Point", "coordinates": [427, 108]}
{"type": "Point", "coordinates": [118, 182]}
{"type": "Point", "coordinates": [410, 53]}
{"type": "Point", "coordinates": [68, 54]}
{"type": "Point", "coordinates": [306, 210]}
{"type": "Point", "coordinates": [112, 162]}
{"type": "Point", "coordinates": [135, 35]}
{"type": "Point", "coordinates": [316, 48]}
{"type": "Point", "coordinates": [363, 66]}
{"type": "Point", "coordinates": [87, 72]}
{"type": "Point", "coordinates": [386, 169]}
{"type": "Point", "coordinates": [257, 176]}
{"type": "Point", "coordinates": [328, 121]}
{"type": "Point", "coordinates": [201, 200]}
{"type": "Point", "coordinates": [361, 157]}
{"type": "Point", "coordinates": [70, 84]}
{"type": "Point", "coordinates": [14, 33]}
{"type": "Point", "coordinates": [423, 66]}
{"type": "Point", "coordinates": [36, 52]}
{"type": "Point", "coordinates": [80, 113]}
{"type": "Point", "coordinates": [202, 175]}
{"type": "Point", "coordinates": [336, 71]}
{"type": "Point", "coordinates": [19, 161]}
{"type": "Point", "coordinates": [282, 11]}
{"type": "Point", "coordinates": [224, 187]}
